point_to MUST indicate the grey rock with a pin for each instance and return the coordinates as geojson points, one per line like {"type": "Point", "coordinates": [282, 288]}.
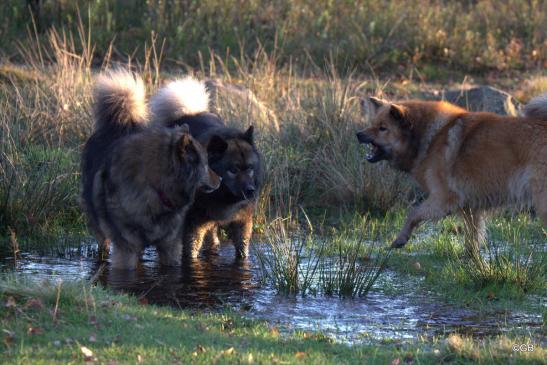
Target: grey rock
{"type": "Point", "coordinates": [482, 99]}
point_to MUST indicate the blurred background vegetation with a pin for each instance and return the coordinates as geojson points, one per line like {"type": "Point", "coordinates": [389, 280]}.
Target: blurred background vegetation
{"type": "Point", "coordinates": [384, 36]}
{"type": "Point", "coordinates": [302, 63]}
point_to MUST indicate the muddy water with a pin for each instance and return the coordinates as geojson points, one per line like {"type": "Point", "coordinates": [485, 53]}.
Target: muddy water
{"type": "Point", "coordinates": [219, 282]}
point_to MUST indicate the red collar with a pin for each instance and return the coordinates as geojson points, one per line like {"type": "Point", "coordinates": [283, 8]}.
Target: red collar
{"type": "Point", "coordinates": [165, 200]}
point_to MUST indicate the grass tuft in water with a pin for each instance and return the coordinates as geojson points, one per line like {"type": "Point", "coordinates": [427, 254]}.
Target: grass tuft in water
{"type": "Point", "coordinates": [287, 261]}
{"type": "Point", "coordinates": [342, 264]}
{"type": "Point", "coordinates": [358, 263]}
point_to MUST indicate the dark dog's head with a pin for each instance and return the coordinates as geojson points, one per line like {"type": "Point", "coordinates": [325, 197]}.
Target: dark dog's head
{"type": "Point", "coordinates": [235, 159]}
{"type": "Point", "coordinates": [192, 165]}
{"type": "Point", "coordinates": [390, 131]}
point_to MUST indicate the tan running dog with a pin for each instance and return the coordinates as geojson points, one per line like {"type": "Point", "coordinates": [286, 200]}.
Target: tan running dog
{"type": "Point", "coordinates": [466, 162]}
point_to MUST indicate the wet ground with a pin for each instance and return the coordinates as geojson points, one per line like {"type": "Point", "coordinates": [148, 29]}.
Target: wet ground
{"type": "Point", "coordinates": [219, 283]}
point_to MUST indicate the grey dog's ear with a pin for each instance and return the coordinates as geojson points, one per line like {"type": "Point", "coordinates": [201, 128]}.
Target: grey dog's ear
{"type": "Point", "coordinates": [370, 105]}
{"type": "Point", "coordinates": [216, 146]}
{"type": "Point", "coordinates": [248, 135]}
{"type": "Point", "coordinates": [184, 128]}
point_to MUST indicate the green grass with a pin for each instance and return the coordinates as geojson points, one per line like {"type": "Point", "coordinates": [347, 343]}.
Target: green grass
{"type": "Point", "coordinates": [45, 323]}
{"type": "Point", "coordinates": [515, 263]}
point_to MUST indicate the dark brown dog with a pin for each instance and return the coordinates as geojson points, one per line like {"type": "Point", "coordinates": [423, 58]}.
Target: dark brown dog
{"type": "Point", "coordinates": [232, 155]}
{"type": "Point", "coordinates": [138, 182]}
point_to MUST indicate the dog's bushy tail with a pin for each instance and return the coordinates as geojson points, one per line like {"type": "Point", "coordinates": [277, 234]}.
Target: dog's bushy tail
{"type": "Point", "coordinates": [179, 98]}
{"type": "Point", "coordinates": [537, 107]}
{"type": "Point", "coordinates": [119, 101]}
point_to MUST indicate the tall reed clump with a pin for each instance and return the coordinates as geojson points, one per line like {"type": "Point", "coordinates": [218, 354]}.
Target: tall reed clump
{"type": "Point", "coordinates": [340, 264]}
{"type": "Point", "coordinates": [288, 260]}
{"type": "Point", "coordinates": [357, 262]}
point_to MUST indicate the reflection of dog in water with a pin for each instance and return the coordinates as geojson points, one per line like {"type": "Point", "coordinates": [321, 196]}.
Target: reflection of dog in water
{"type": "Point", "coordinates": [138, 181]}
{"type": "Point", "coordinates": [205, 282]}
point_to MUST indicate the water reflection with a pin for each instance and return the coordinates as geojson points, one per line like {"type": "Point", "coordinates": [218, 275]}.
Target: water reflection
{"type": "Point", "coordinates": [209, 282]}
{"type": "Point", "coordinates": [217, 282]}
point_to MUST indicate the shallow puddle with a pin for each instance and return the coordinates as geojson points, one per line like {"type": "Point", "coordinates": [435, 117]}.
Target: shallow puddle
{"type": "Point", "coordinates": [219, 282]}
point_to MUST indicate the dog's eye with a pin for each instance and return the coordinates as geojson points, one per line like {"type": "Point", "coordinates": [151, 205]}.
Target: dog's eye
{"type": "Point", "coordinates": [382, 129]}
{"type": "Point", "coordinates": [233, 170]}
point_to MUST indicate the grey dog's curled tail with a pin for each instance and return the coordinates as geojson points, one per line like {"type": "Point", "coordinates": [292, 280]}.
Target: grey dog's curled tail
{"type": "Point", "coordinates": [119, 100]}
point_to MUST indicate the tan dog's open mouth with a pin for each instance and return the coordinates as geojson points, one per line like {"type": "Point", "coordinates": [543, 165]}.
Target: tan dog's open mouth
{"type": "Point", "coordinates": [374, 153]}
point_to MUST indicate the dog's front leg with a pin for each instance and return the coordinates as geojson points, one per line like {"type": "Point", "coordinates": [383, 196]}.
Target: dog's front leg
{"type": "Point", "coordinates": [432, 209]}
{"type": "Point", "coordinates": [240, 234]}
{"type": "Point", "coordinates": [170, 253]}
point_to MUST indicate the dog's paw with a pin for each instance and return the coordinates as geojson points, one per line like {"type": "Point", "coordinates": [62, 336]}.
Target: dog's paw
{"type": "Point", "coordinates": [399, 242]}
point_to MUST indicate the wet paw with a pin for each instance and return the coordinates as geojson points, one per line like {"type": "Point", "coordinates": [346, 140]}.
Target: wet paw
{"type": "Point", "coordinates": [399, 242]}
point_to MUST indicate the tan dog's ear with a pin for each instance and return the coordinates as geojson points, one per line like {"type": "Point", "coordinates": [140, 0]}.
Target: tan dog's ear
{"type": "Point", "coordinates": [370, 105]}
{"type": "Point", "coordinates": [398, 112]}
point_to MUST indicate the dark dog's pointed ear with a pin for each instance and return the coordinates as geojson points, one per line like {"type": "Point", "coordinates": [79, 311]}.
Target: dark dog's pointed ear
{"type": "Point", "coordinates": [184, 128]}
{"type": "Point", "coordinates": [370, 105]}
{"type": "Point", "coordinates": [185, 141]}
{"type": "Point", "coordinates": [248, 135]}
{"type": "Point", "coordinates": [398, 112]}
{"type": "Point", "coordinates": [216, 146]}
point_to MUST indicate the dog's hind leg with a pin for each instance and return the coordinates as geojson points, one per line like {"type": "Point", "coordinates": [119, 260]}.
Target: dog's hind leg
{"type": "Point", "coordinates": [211, 242]}
{"type": "Point", "coordinates": [194, 235]}
{"type": "Point", "coordinates": [475, 233]}
{"type": "Point", "coordinates": [539, 199]}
